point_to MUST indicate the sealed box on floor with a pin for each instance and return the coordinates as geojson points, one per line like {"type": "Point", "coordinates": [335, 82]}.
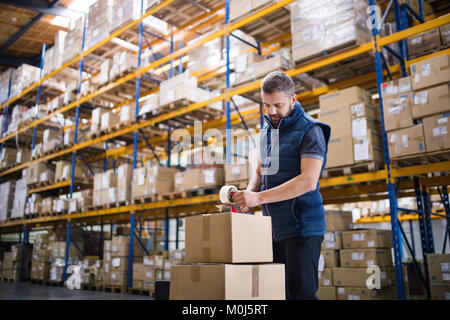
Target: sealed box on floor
{"type": "Point", "coordinates": [338, 220]}
{"type": "Point", "coordinates": [358, 258]}
{"type": "Point", "coordinates": [229, 238]}
{"type": "Point", "coordinates": [430, 72]}
{"type": "Point", "coordinates": [406, 141]}
{"type": "Point", "coordinates": [227, 282]}
{"type": "Point", "coordinates": [397, 112]}
{"type": "Point", "coordinates": [363, 293]}
{"type": "Point", "coordinates": [440, 290]}
{"type": "Point", "coordinates": [326, 293]}
{"type": "Point", "coordinates": [332, 240]}
{"type": "Point", "coordinates": [431, 101]}
{"type": "Point", "coordinates": [370, 238]}
{"type": "Point", "coordinates": [424, 42]}
{"type": "Point", "coordinates": [326, 277]}
{"type": "Point", "coordinates": [331, 258]}
{"type": "Point", "coordinates": [436, 130]}
{"type": "Point", "coordinates": [357, 277]}
{"type": "Point", "coordinates": [439, 267]}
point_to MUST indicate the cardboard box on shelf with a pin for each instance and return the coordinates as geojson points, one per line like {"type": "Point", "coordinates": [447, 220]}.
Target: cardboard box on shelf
{"type": "Point", "coordinates": [358, 258]}
{"type": "Point", "coordinates": [396, 87]}
{"type": "Point", "coordinates": [344, 98]}
{"type": "Point", "coordinates": [119, 264]}
{"type": "Point", "coordinates": [119, 278]}
{"type": "Point", "coordinates": [445, 34]}
{"type": "Point", "coordinates": [138, 271]}
{"type": "Point", "coordinates": [201, 178]}
{"type": "Point", "coordinates": [436, 130]}
{"type": "Point", "coordinates": [397, 112]}
{"type": "Point", "coordinates": [439, 267]}
{"type": "Point", "coordinates": [340, 151]}
{"type": "Point", "coordinates": [332, 240]}
{"type": "Point", "coordinates": [431, 101]}
{"type": "Point", "coordinates": [370, 238]}
{"type": "Point", "coordinates": [357, 277]}
{"type": "Point", "coordinates": [430, 72]}
{"type": "Point", "coordinates": [338, 220]}
{"type": "Point", "coordinates": [228, 238]}
{"type": "Point", "coordinates": [331, 258]}
{"type": "Point", "coordinates": [227, 282]}
{"type": "Point", "coordinates": [326, 293]}
{"type": "Point", "coordinates": [362, 109]}
{"type": "Point", "coordinates": [440, 290]}
{"type": "Point", "coordinates": [424, 42]}
{"type": "Point", "coordinates": [363, 293]}
{"type": "Point", "coordinates": [406, 141]}
{"type": "Point", "coordinates": [34, 171]}
{"type": "Point", "coordinates": [235, 172]}
{"type": "Point", "coordinates": [326, 277]}
{"type": "Point", "coordinates": [368, 148]}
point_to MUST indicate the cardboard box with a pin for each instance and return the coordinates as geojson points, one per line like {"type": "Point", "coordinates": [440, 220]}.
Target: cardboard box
{"type": "Point", "coordinates": [34, 171]}
{"type": "Point", "coordinates": [430, 72]}
{"type": "Point", "coordinates": [200, 178]}
{"type": "Point", "coordinates": [397, 112]}
{"type": "Point", "coordinates": [137, 284]}
{"type": "Point", "coordinates": [149, 285]}
{"type": "Point", "coordinates": [119, 264]}
{"type": "Point", "coordinates": [124, 174]}
{"type": "Point", "coordinates": [331, 258]}
{"type": "Point", "coordinates": [339, 118]}
{"type": "Point", "coordinates": [229, 238]}
{"type": "Point", "coordinates": [365, 110]}
{"type": "Point", "coordinates": [395, 87]}
{"type": "Point", "coordinates": [326, 277]}
{"type": "Point", "coordinates": [340, 151]}
{"type": "Point", "coordinates": [406, 141]}
{"type": "Point", "coordinates": [370, 238]}
{"type": "Point", "coordinates": [368, 148]}
{"type": "Point", "coordinates": [436, 130]}
{"type": "Point", "coordinates": [227, 282]}
{"type": "Point", "coordinates": [344, 98]}
{"type": "Point", "coordinates": [108, 180]}
{"type": "Point", "coordinates": [239, 8]}
{"type": "Point", "coordinates": [363, 293]}
{"type": "Point", "coordinates": [338, 220]}
{"type": "Point", "coordinates": [235, 172]}
{"type": "Point", "coordinates": [358, 258]}
{"type": "Point", "coordinates": [440, 291]}
{"type": "Point", "coordinates": [119, 278]}
{"type": "Point", "coordinates": [356, 277]}
{"type": "Point", "coordinates": [431, 101]}
{"type": "Point", "coordinates": [445, 34]}
{"type": "Point", "coordinates": [326, 293]}
{"type": "Point", "coordinates": [363, 126]}
{"type": "Point", "coordinates": [439, 267]}
{"type": "Point", "coordinates": [332, 240]}
{"type": "Point", "coordinates": [424, 42]}
{"type": "Point", "coordinates": [138, 271]}
{"type": "Point", "coordinates": [160, 179]}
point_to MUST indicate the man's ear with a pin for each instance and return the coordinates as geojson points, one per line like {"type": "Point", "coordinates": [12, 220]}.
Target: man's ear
{"type": "Point", "coordinates": [294, 98]}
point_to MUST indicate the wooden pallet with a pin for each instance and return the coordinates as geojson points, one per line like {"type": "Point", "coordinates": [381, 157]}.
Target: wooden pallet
{"type": "Point", "coordinates": [352, 169]}
{"type": "Point", "coordinates": [421, 158]}
{"type": "Point", "coordinates": [335, 50]}
{"type": "Point", "coordinates": [91, 287]}
{"type": "Point", "coordinates": [428, 51]}
{"type": "Point", "coordinates": [115, 289]}
{"type": "Point", "coordinates": [197, 192]}
{"type": "Point", "coordinates": [142, 200]}
{"type": "Point", "coordinates": [141, 292]}
{"type": "Point", "coordinates": [121, 125]}
{"type": "Point", "coordinates": [38, 281]}
{"type": "Point", "coordinates": [11, 280]}
{"type": "Point", "coordinates": [31, 216]}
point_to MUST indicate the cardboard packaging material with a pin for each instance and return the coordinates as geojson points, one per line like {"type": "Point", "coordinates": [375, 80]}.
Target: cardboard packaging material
{"type": "Point", "coordinates": [431, 101]}
{"type": "Point", "coordinates": [439, 267]}
{"type": "Point", "coordinates": [436, 130]}
{"type": "Point", "coordinates": [430, 72]}
{"type": "Point", "coordinates": [326, 293]}
{"type": "Point", "coordinates": [340, 151]}
{"type": "Point", "coordinates": [362, 293]}
{"type": "Point", "coordinates": [326, 277]}
{"type": "Point", "coordinates": [338, 220]}
{"type": "Point", "coordinates": [119, 264]}
{"type": "Point", "coordinates": [358, 258]}
{"type": "Point", "coordinates": [440, 291]}
{"type": "Point", "coordinates": [445, 34]}
{"type": "Point", "coordinates": [236, 172]}
{"type": "Point", "coordinates": [119, 278]}
{"type": "Point", "coordinates": [331, 258]}
{"type": "Point", "coordinates": [397, 112]}
{"type": "Point", "coordinates": [228, 238]}
{"type": "Point", "coordinates": [34, 171]}
{"type": "Point", "coordinates": [364, 110]}
{"type": "Point", "coordinates": [356, 277]}
{"type": "Point", "coordinates": [199, 178]}
{"type": "Point", "coordinates": [332, 240]}
{"type": "Point", "coordinates": [424, 42]}
{"type": "Point", "coordinates": [406, 141]}
{"type": "Point", "coordinates": [370, 238]}
{"type": "Point", "coordinates": [227, 282]}
{"type": "Point", "coordinates": [345, 97]}
{"type": "Point", "coordinates": [396, 87]}
{"type": "Point", "coordinates": [368, 148]}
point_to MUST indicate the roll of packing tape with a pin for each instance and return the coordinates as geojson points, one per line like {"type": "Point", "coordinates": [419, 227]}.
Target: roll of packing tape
{"type": "Point", "coordinates": [225, 194]}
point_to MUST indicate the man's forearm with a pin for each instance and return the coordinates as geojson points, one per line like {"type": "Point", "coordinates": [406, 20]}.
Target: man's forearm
{"type": "Point", "coordinates": [255, 183]}
{"type": "Point", "coordinates": [288, 190]}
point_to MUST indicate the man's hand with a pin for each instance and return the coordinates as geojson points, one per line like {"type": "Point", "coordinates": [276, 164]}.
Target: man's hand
{"type": "Point", "coordinates": [247, 199]}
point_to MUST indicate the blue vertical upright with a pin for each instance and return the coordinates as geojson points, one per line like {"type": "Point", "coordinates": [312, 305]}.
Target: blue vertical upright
{"type": "Point", "coordinates": [135, 145]}
{"type": "Point", "coordinates": [166, 221]}
{"type": "Point", "coordinates": [22, 253]}
{"type": "Point", "coordinates": [171, 51]}
{"type": "Point", "coordinates": [5, 122]}
{"type": "Point", "coordinates": [75, 141]}
{"type": "Point", "coordinates": [390, 185]}
{"type": "Point", "coordinates": [402, 43]}
{"type": "Point", "coordinates": [38, 96]}
{"type": "Point", "coordinates": [180, 66]}
{"type": "Point", "coordinates": [227, 94]}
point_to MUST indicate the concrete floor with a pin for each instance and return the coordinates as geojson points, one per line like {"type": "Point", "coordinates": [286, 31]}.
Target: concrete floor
{"type": "Point", "coordinates": [28, 291]}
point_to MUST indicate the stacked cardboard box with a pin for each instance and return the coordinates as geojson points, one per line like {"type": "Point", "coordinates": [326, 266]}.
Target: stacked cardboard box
{"type": "Point", "coordinates": [237, 172]}
{"type": "Point", "coordinates": [355, 134]}
{"type": "Point", "coordinates": [96, 120]}
{"type": "Point", "coordinates": [199, 178]}
{"type": "Point", "coordinates": [63, 171]}
{"type": "Point", "coordinates": [151, 181]}
{"type": "Point", "coordinates": [343, 23]}
{"type": "Point", "coordinates": [40, 268]}
{"type": "Point", "coordinates": [424, 42]}
{"type": "Point", "coordinates": [12, 262]}
{"type": "Point", "coordinates": [33, 205]}
{"type": "Point", "coordinates": [123, 62]}
{"type": "Point", "coordinates": [6, 199]}
{"type": "Point", "coordinates": [105, 188]}
{"type": "Point", "coordinates": [23, 155]}
{"type": "Point", "coordinates": [57, 256]}
{"type": "Point", "coordinates": [100, 22]}
{"type": "Point", "coordinates": [8, 157]}
{"type": "Point", "coordinates": [240, 8]}
{"type": "Point", "coordinates": [52, 140]}
{"type": "Point", "coordinates": [90, 269]}
{"type": "Point", "coordinates": [20, 196]}
{"type": "Point", "coordinates": [336, 223]}
{"type": "Point", "coordinates": [445, 34]}
{"type": "Point", "coordinates": [219, 248]}
{"type": "Point", "coordinates": [81, 202]}
{"type": "Point", "coordinates": [362, 249]}
{"type": "Point", "coordinates": [125, 173]}
{"type": "Point", "coordinates": [439, 274]}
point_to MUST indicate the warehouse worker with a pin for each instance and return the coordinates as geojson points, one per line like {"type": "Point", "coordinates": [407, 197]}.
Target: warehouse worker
{"type": "Point", "coordinates": [290, 196]}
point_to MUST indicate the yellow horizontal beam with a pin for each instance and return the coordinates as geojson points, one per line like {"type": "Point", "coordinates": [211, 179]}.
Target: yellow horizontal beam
{"type": "Point", "coordinates": [50, 187]}
{"type": "Point", "coordinates": [387, 218]}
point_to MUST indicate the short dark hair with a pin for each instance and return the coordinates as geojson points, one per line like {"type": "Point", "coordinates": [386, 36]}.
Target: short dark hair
{"type": "Point", "coordinates": [278, 81]}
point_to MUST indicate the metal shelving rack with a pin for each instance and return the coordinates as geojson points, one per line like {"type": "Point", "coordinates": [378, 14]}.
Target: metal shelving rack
{"type": "Point", "coordinates": [207, 203]}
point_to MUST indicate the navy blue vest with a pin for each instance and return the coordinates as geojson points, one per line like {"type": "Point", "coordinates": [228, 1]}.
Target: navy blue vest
{"type": "Point", "coordinates": [303, 216]}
